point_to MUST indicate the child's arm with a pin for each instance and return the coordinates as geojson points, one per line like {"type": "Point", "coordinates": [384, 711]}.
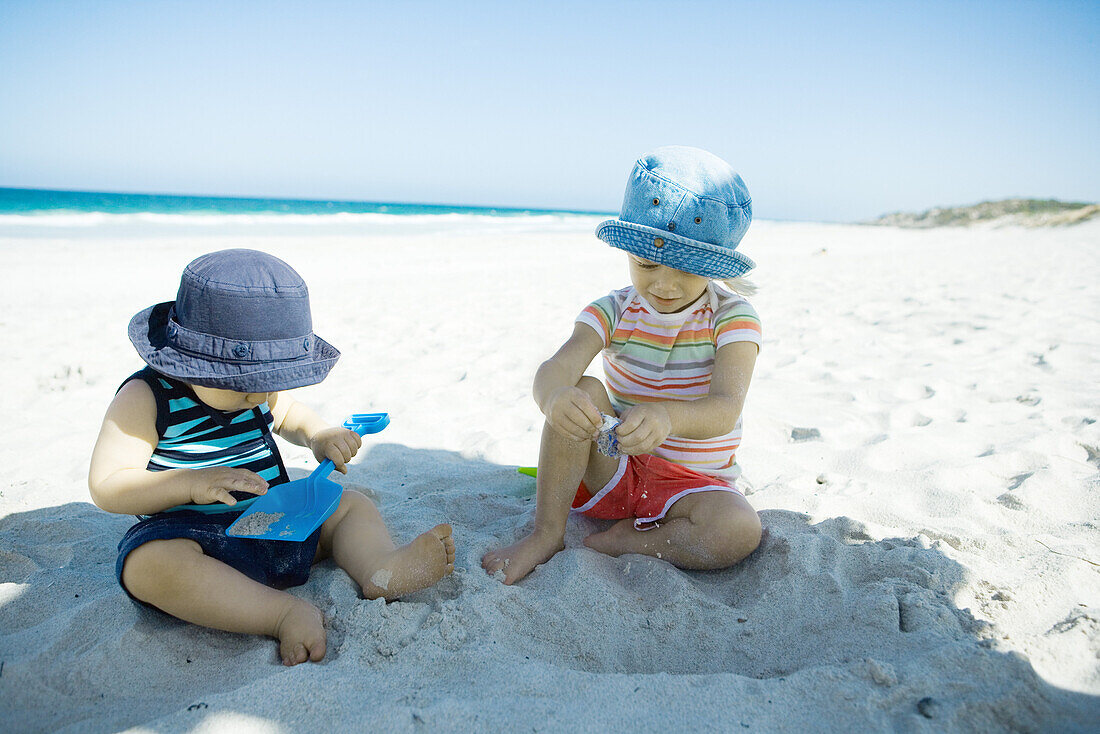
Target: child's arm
{"type": "Point", "coordinates": [567, 407]}
{"type": "Point", "coordinates": [297, 423]}
{"type": "Point", "coordinates": [646, 426]}
{"type": "Point", "coordinates": [119, 480]}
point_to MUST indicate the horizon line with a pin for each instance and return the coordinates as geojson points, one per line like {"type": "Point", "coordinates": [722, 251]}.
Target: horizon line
{"type": "Point", "coordinates": [484, 207]}
{"type": "Point", "coordinates": [239, 197]}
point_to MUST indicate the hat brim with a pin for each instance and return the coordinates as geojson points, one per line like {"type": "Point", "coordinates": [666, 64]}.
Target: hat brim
{"type": "Point", "coordinates": [676, 251]}
{"type": "Point", "coordinates": [147, 334]}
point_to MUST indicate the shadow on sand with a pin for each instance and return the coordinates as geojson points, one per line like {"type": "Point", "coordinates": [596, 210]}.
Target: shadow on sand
{"type": "Point", "coordinates": [837, 628]}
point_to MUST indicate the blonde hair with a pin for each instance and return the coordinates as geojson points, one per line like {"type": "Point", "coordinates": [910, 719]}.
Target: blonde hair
{"type": "Point", "coordinates": [740, 286]}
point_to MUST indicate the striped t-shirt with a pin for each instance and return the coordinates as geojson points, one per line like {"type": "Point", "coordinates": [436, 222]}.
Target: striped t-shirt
{"type": "Point", "coordinates": [650, 356]}
{"type": "Point", "coordinates": [192, 435]}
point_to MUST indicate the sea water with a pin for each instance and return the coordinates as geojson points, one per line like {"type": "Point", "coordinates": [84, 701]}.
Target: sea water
{"type": "Point", "coordinates": [50, 213]}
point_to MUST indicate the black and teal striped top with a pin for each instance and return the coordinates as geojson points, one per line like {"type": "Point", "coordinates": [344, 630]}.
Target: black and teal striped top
{"type": "Point", "coordinates": [192, 435]}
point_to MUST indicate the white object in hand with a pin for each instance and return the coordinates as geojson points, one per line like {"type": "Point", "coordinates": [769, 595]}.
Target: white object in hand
{"type": "Point", "coordinates": [608, 443]}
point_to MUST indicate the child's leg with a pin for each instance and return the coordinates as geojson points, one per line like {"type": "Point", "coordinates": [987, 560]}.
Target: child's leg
{"type": "Point", "coordinates": [178, 578]}
{"type": "Point", "coordinates": [358, 541]}
{"type": "Point", "coordinates": [705, 530]}
{"type": "Point", "coordinates": [563, 463]}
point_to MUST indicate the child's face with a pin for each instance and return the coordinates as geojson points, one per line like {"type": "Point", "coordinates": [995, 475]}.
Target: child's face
{"type": "Point", "coordinates": [667, 289]}
{"type": "Point", "coordinates": [229, 400]}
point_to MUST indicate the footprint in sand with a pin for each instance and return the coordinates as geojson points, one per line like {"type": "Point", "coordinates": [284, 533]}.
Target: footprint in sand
{"type": "Point", "coordinates": [798, 435]}
{"type": "Point", "coordinates": [992, 599]}
{"type": "Point", "coordinates": [1040, 361]}
{"type": "Point", "coordinates": [1019, 479]}
{"type": "Point", "coordinates": [63, 379]}
{"type": "Point", "coordinates": [1010, 500]}
{"type": "Point", "coordinates": [1093, 454]}
{"type": "Point", "coordinates": [906, 417]}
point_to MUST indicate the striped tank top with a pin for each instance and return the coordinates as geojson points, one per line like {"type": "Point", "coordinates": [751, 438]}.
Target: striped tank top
{"type": "Point", "coordinates": [650, 356]}
{"type": "Point", "coordinates": [192, 435]}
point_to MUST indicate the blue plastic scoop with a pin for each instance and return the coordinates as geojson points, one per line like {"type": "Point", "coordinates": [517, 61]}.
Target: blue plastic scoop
{"type": "Point", "coordinates": [292, 511]}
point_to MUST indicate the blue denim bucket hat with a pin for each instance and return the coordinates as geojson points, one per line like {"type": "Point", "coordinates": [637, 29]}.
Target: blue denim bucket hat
{"type": "Point", "coordinates": [684, 208]}
{"type": "Point", "coordinates": [240, 321]}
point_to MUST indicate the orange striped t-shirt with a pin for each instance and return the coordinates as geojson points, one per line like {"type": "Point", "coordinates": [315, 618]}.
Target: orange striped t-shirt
{"type": "Point", "coordinates": [650, 356]}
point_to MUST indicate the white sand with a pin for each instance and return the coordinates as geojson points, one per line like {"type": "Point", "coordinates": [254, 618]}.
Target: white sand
{"type": "Point", "coordinates": [931, 549]}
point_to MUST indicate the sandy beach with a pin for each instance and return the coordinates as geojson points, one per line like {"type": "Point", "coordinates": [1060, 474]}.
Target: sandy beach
{"type": "Point", "coordinates": [921, 441]}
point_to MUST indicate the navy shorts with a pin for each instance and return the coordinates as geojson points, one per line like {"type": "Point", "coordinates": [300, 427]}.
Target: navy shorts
{"type": "Point", "coordinates": [276, 563]}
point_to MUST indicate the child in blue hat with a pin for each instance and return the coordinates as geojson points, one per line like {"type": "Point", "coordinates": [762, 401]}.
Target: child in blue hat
{"type": "Point", "coordinates": [654, 449]}
{"type": "Point", "coordinates": [195, 428]}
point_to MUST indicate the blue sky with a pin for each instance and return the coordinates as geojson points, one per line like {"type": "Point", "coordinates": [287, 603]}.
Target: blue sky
{"type": "Point", "coordinates": [831, 111]}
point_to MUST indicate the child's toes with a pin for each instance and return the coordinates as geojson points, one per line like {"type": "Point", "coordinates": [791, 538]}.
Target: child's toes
{"type": "Point", "coordinates": [295, 654]}
{"type": "Point", "coordinates": [317, 651]}
{"type": "Point", "coordinates": [491, 562]}
{"type": "Point", "coordinates": [301, 633]}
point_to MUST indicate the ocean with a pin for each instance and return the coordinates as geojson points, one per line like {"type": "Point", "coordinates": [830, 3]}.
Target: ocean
{"type": "Point", "coordinates": [52, 213]}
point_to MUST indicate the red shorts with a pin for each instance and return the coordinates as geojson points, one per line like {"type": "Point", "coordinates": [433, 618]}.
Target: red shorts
{"type": "Point", "coordinates": [644, 487]}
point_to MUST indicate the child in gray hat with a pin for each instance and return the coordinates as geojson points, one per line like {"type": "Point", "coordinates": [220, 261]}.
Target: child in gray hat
{"type": "Point", "coordinates": [187, 442]}
{"type": "Point", "coordinates": [654, 450]}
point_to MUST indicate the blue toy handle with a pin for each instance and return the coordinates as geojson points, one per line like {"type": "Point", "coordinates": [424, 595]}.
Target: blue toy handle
{"type": "Point", "coordinates": [364, 423]}
{"type": "Point", "coordinates": [361, 423]}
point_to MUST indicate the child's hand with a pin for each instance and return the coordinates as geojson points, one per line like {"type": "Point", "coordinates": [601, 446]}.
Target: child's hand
{"type": "Point", "coordinates": [336, 444]}
{"type": "Point", "coordinates": [215, 483]}
{"type": "Point", "coordinates": [572, 412]}
{"type": "Point", "coordinates": [644, 428]}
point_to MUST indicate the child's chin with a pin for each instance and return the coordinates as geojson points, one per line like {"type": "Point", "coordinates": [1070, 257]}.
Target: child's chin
{"type": "Point", "coordinates": [231, 407]}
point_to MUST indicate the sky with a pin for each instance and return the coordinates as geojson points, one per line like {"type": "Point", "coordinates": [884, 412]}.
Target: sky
{"type": "Point", "coordinates": [830, 111]}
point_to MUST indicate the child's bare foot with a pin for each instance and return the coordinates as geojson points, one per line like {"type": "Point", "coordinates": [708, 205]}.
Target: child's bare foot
{"type": "Point", "coordinates": [418, 565]}
{"type": "Point", "coordinates": [301, 633]}
{"type": "Point", "coordinates": [520, 559]}
{"type": "Point", "coordinates": [622, 538]}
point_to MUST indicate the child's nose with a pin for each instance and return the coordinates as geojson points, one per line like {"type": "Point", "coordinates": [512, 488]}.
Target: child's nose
{"type": "Point", "coordinates": [664, 285]}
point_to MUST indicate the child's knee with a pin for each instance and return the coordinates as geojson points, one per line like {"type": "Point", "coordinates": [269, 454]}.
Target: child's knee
{"type": "Point", "coordinates": [148, 569]}
{"type": "Point", "coordinates": [596, 391]}
{"type": "Point", "coordinates": [355, 504]}
{"type": "Point", "coordinates": [357, 501]}
{"type": "Point", "coordinates": [732, 534]}
{"type": "Point", "coordinates": [357, 510]}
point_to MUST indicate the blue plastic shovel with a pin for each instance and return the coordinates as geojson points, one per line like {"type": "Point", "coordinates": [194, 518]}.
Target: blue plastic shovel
{"type": "Point", "coordinates": [292, 511]}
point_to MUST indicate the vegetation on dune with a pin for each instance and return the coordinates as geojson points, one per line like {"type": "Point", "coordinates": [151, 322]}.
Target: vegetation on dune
{"type": "Point", "coordinates": [1025, 212]}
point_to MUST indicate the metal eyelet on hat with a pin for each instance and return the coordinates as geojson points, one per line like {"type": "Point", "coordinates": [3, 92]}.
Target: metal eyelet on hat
{"type": "Point", "coordinates": [656, 202]}
{"type": "Point", "coordinates": [698, 220]}
{"type": "Point", "coordinates": [658, 242]}
{"type": "Point", "coordinates": [672, 226]}
{"type": "Point", "coordinates": [241, 350]}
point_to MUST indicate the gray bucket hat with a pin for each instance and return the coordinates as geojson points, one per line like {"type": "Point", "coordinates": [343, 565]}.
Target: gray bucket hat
{"type": "Point", "coordinates": [241, 321]}
{"type": "Point", "coordinates": [684, 208]}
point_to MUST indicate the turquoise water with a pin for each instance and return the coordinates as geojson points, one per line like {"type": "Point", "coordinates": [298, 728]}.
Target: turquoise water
{"type": "Point", "coordinates": [44, 203]}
